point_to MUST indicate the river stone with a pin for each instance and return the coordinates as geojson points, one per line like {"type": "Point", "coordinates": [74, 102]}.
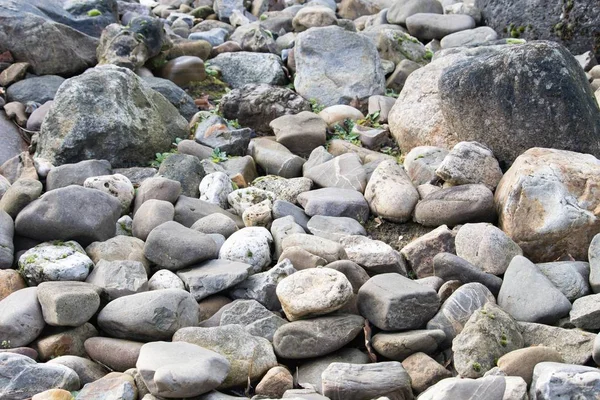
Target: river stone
{"type": "Point", "coordinates": [6, 240]}
{"type": "Point", "coordinates": [300, 133]}
{"type": "Point", "coordinates": [389, 302]}
{"type": "Point", "coordinates": [561, 219]}
{"type": "Point", "coordinates": [118, 248]}
{"type": "Point", "coordinates": [374, 256]}
{"type": "Point", "coordinates": [594, 257]}
{"type": "Point", "coordinates": [140, 118]}
{"type": "Point", "coordinates": [21, 377]}
{"type": "Point", "coordinates": [215, 187]}
{"type": "Point", "coordinates": [148, 316]}
{"type": "Point", "coordinates": [119, 278]}
{"type": "Point", "coordinates": [552, 380]}
{"type": "Point", "coordinates": [151, 214]}
{"type": "Point", "coordinates": [327, 249]}
{"type": "Point", "coordinates": [180, 369]}
{"type": "Point", "coordinates": [366, 381]}
{"type": "Point", "coordinates": [19, 195]}
{"type": "Point", "coordinates": [64, 341]}
{"type": "Point", "coordinates": [173, 246]}
{"type": "Point", "coordinates": [282, 228]}
{"type": "Point", "coordinates": [116, 185]}
{"type": "Point", "coordinates": [469, 37]}
{"type": "Point", "coordinates": [585, 313]}
{"type": "Point", "coordinates": [451, 267]}
{"type": "Point", "coordinates": [216, 223]}
{"type": "Point", "coordinates": [570, 277]}
{"type": "Point", "coordinates": [458, 308]}
{"type": "Point", "coordinates": [401, 10]}
{"type": "Point", "coordinates": [21, 318]}
{"type": "Point", "coordinates": [67, 206]}
{"type": "Point", "coordinates": [310, 371]}
{"type": "Point", "coordinates": [242, 68]}
{"type": "Point", "coordinates": [456, 205]}
{"type": "Point", "coordinates": [284, 189]}
{"type": "Point", "coordinates": [275, 159]}
{"type": "Point", "coordinates": [87, 370]}
{"type": "Point", "coordinates": [486, 247]}
{"type": "Point", "coordinates": [39, 89]}
{"type": "Point", "coordinates": [313, 292]}
{"type": "Point", "coordinates": [344, 172]}
{"type": "Point", "coordinates": [55, 261]}
{"type": "Point", "coordinates": [242, 199]}
{"type": "Point", "coordinates": [424, 371]}
{"type": "Point", "coordinates": [317, 336]}
{"type": "Point", "coordinates": [488, 388]}
{"type": "Point", "coordinates": [420, 252]}
{"type": "Point", "coordinates": [398, 346]}
{"type": "Point", "coordinates": [186, 169]}
{"type": "Point", "coordinates": [76, 173]}
{"type": "Point", "coordinates": [189, 210]}
{"type": "Point", "coordinates": [254, 317]}
{"type": "Point", "coordinates": [176, 96]}
{"type": "Point", "coordinates": [390, 193]}
{"type": "Point", "coordinates": [521, 362]}
{"type": "Point", "coordinates": [427, 26]}
{"type": "Point", "coordinates": [335, 202]}
{"type": "Point", "coordinates": [213, 276]}
{"type": "Point", "coordinates": [432, 110]}
{"type": "Point", "coordinates": [352, 78]}
{"type": "Point", "coordinates": [117, 354]}
{"type": "Point", "coordinates": [114, 385]}
{"type": "Point", "coordinates": [250, 245]}
{"type": "Point", "coordinates": [165, 279]}
{"type": "Point", "coordinates": [529, 296]}
{"type": "Point", "coordinates": [68, 303]}
{"type": "Point", "coordinates": [488, 334]}
{"type": "Point", "coordinates": [334, 228]}
{"type": "Point", "coordinates": [250, 357]}
{"type": "Point", "coordinates": [157, 188]}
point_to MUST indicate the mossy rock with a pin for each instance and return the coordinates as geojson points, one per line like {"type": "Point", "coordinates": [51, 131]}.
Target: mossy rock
{"type": "Point", "coordinates": [211, 86]}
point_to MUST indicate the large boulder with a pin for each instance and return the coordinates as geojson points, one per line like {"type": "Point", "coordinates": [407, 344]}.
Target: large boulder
{"type": "Point", "coordinates": [545, 204]}
{"type": "Point", "coordinates": [133, 117]}
{"type": "Point", "coordinates": [552, 106]}
{"type": "Point", "coordinates": [572, 23]}
{"type": "Point", "coordinates": [52, 37]}
{"type": "Point", "coordinates": [354, 71]}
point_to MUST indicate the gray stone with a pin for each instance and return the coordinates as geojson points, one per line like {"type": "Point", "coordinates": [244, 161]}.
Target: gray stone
{"type": "Point", "coordinates": [213, 276]}
{"type": "Point", "coordinates": [262, 286]}
{"type": "Point", "coordinates": [354, 272]}
{"type": "Point", "coordinates": [21, 319]}
{"type": "Point", "coordinates": [282, 228]}
{"type": "Point", "coordinates": [401, 10]}
{"type": "Point", "coordinates": [242, 199]}
{"type": "Point", "coordinates": [463, 8]}
{"type": "Point", "coordinates": [76, 173]}
{"type": "Point", "coordinates": [596, 350]}
{"type": "Point", "coordinates": [22, 378]}
{"type": "Point", "coordinates": [488, 334]}
{"type": "Point", "coordinates": [334, 228]}
{"type": "Point", "coordinates": [176, 96]}
{"type": "Point", "coordinates": [310, 371]}
{"type": "Point", "coordinates": [118, 248]}
{"type": "Point", "coordinates": [486, 247]}
{"type": "Point", "coordinates": [570, 277]}
{"type": "Point", "coordinates": [424, 371]}
{"type": "Point", "coordinates": [215, 36]}
{"type": "Point", "coordinates": [553, 380]}
{"type": "Point", "coordinates": [173, 246]}
{"type": "Point", "coordinates": [249, 245]}
{"type": "Point", "coordinates": [150, 125]}
{"type": "Point", "coordinates": [520, 363]}
{"type": "Point", "coordinates": [254, 317]}
{"type": "Point", "coordinates": [427, 26]}
{"type": "Point", "coordinates": [327, 249]}
{"type": "Point", "coordinates": [594, 257]}
{"type": "Point", "coordinates": [151, 214]}
{"type": "Point", "coordinates": [188, 210]}
{"type": "Point", "coordinates": [488, 388]}
{"type": "Point", "coordinates": [389, 301]}
{"type": "Point", "coordinates": [39, 89]}
{"type": "Point", "coordinates": [313, 17]}
{"type": "Point", "coordinates": [585, 313]}
{"type": "Point", "coordinates": [165, 279]}
{"type": "Point", "coordinates": [420, 252]}
{"type": "Point", "coordinates": [148, 316]}
{"type": "Point", "coordinates": [116, 185]}
{"type": "Point", "coordinates": [242, 68]}
{"type": "Point", "coordinates": [13, 143]}
{"type": "Point", "coordinates": [282, 208]}
{"type": "Point", "coordinates": [68, 303]}
{"type": "Point", "coordinates": [157, 188]}
{"type": "Point", "coordinates": [116, 354]}
{"type": "Point", "coordinates": [275, 158]}
{"type": "Point", "coordinates": [250, 357]}
{"type": "Point", "coordinates": [374, 256]}
{"type": "Point", "coordinates": [114, 385]}
{"type": "Point", "coordinates": [335, 202]}
{"type": "Point", "coordinates": [215, 187]}
{"type": "Point", "coordinates": [185, 169]}
{"type": "Point", "coordinates": [215, 132]}
{"type": "Point", "coordinates": [119, 278]}
{"type": "Point", "coordinates": [283, 189]}
{"type": "Point", "coordinates": [451, 267]}
{"type": "Point", "coordinates": [458, 308]}
{"type": "Point", "coordinates": [529, 296]}
{"type": "Point", "coordinates": [180, 369]}
{"type": "Point", "coordinates": [7, 230]}
{"type": "Point", "coordinates": [216, 223]}
{"type": "Point", "coordinates": [318, 156]}
{"type": "Point", "coordinates": [352, 78]}
{"type": "Point", "coordinates": [68, 207]}
{"type": "Point", "coordinates": [469, 37]}
{"type": "Point", "coordinates": [398, 346]}
{"type": "Point", "coordinates": [300, 133]}
{"type": "Point", "coordinates": [87, 370]}
{"type": "Point", "coordinates": [19, 195]}
{"type": "Point", "coordinates": [344, 172]}
{"type": "Point", "coordinates": [317, 336]}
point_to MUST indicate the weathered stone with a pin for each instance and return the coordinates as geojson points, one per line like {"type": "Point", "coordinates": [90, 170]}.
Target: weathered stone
{"type": "Point", "coordinates": [114, 385]}
{"type": "Point", "coordinates": [119, 278]}
{"type": "Point", "coordinates": [250, 245]}
{"type": "Point", "coordinates": [116, 185]}
{"type": "Point", "coordinates": [335, 202]}
{"type": "Point", "coordinates": [117, 354]}
{"type": "Point", "coordinates": [401, 10]}
{"type": "Point", "coordinates": [68, 303]}
{"type": "Point", "coordinates": [470, 162]}
{"type": "Point", "coordinates": [310, 371]}
{"type": "Point", "coordinates": [424, 371]}
{"type": "Point", "coordinates": [398, 346]}
{"type": "Point", "coordinates": [21, 319]}
{"type": "Point", "coordinates": [374, 256]}
{"type": "Point", "coordinates": [334, 228]}
{"type": "Point", "coordinates": [243, 68]}
{"type": "Point", "coordinates": [552, 380]}
{"type": "Point", "coordinates": [469, 37]}
{"type": "Point", "coordinates": [450, 267]}
{"type": "Point", "coordinates": [488, 388]}
{"type": "Point", "coordinates": [62, 342]}
{"type": "Point", "coordinates": [427, 26]}
{"type": "Point", "coordinates": [150, 215]}
{"type": "Point", "coordinates": [76, 173]}
{"type": "Point", "coordinates": [300, 133]}
{"type": "Point", "coordinates": [157, 188]}
{"type": "Point", "coordinates": [275, 382]}
{"type": "Point", "coordinates": [570, 277]}
{"type": "Point", "coordinates": [254, 317]}
{"type": "Point", "coordinates": [118, 248]}
{"type": "Point", "coordinates": [324, 248]}
{"type": "Point", "coordinates": [19, 195]}
{"type": "Point", "coordinates": [213, 276]}
{"type": "Point", "coordinates": [521, 362]}
{"type": "Point", "coordinates": [420, 252]}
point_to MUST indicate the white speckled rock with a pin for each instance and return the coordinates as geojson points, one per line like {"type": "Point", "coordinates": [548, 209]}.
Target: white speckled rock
{"type": "Point", "coordinates": [165, 279]}
{"type": "Point", "coordinates": [242, 199]}
{"type": "Point", "coordinates": [116, 185]}
{"type": "Point", "coordinates": [215, 187]}
{"type": "Point", "coordinates": [249, 245]}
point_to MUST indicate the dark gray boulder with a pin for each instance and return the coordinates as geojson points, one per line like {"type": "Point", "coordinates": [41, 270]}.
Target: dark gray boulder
{"type": "Point", "coordinates": [176, 95]}
{"type": "Point", "coordinates": [39, 89]}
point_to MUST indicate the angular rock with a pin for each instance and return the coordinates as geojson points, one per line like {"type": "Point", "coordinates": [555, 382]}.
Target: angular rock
{"type": "Point", "coordinates": [118, 248]}
{"type": "Point", "coordinates": [176, 96]}
{"type": "Point", "coordinates": [243, 68]}
{"type": "Point", "coordinates": [585, 313]}
{"type": "Point", "coordinates": [114, 385]}
{"type": "Point", "coordinates": [61, 341]}
{"type": "Point", "coordinates": [398, 346]}
{"type": "Point", "coordinates": [374, 256]}
{"type": "Point", "coordinates": [254, 317]}
{"type": "Point", "coordinates": [420, 252]}
{"type": "Point", "coordinates": [119, 278]}
{"type": "Point", "coordinates": [213, 276]}
{"type": "Point", "coordinates": [335, 202]}
{"type": "Point", "coordinates": [68, 303]}
{"type": "Point", "coordinates": [570, 277]}
{"type": "Point", "coordinates": [185, 169]}
{"type": "Point", "coordinates": [7, 248]}
{"type": "Point", "coordinates": [275, 382]}
{"type": "Point", "coordinates": [552, 380]}
{"type": "Point", "coordinates": [470, 162]}
{"type": "Point", "coordinates": [424, 371]}
{"type": "Point", "coordinates": [574, 345]}
{"type": "Point", "coordinates": [343, 172]}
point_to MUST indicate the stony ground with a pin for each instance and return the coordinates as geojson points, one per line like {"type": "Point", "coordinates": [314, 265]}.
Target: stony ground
{"type": "Point", "coordinates": [266, 199]}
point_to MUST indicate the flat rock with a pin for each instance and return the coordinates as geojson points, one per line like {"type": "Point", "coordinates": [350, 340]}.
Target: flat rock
{"type": "Point", "coordinates": [21, 318]}
{"type": "Point", "coordinates": [374, 256]}
{"type": "Point", "coordinates": [254, 317]}
{"type": "Point", "coordinates": [213, 276]}
{"type": "Point", "coordinates": [398, 346]}
{"type": "Point", "coordinates": [488, 388]}
{"type": "Point", "coordinates": [334, 228]}
{"type": "Point", "coordinates": [300, 133]}
{"type": "Point", "coordinates": [114, 385]}
{"type": "Point", "coordinates": [552, 380]}
{"type": "Point", "coordinates": [310, 371]}
{"type": "Point", "coordinates": [335, 203]}
{"type": "Point", "coordinates": [242, 68]}
{"type": "Point", "coordinates": [585, 313]}
{"type": "Point", "coordinates": [119, 278]}
{"type": "Point", "coordinates": [344, 172]}
{"type": "Point", "coordinates": [68, 303]}
{"type": "Point", "coordinates": [117, 354]}
{"type": "Point", "coordinates": [451, 267]}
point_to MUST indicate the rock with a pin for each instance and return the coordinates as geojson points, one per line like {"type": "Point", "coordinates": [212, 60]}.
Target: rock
{"type": "Point", "coordinates": [373, 255]}
{"type": "Point", "coordinates": [117, 354]}
{"type": "Point", "coordinates": [253, 316]}
{"type": "Point", "coordinates": [249, 245]}
{"type": "Point", "coordinates": [34, 122]}
{"type": "Point", "coordinates": [242, 199]}
{"type": "Point", "coordinates": [243, 68]}
{"type": "Point", "coordinates": [390, 193]}
{"type": "Point", "coordinates": [452, 116]}
{"type": "Point", "coordinates": [570, 277]}
{"type": "Point", "coordinates": [213, 276]}
{"type": "Point", "coordinates": [61, 341]}
{"type": "Point", "coordinates": [250, 357]}
{"type": "Point", "coordinates": [300, 133]}
{"type": "Point", "coordinates": [424, 371]}
{"type": "Point", "coordinates": [14, 73]}
{"type": "Point", "coordinates": [352, 79]}
{"type": "Point", "coordinates": [521, 362]}
{"type": "Point", "coordinates": [255, 106]}
{"type": "Point", "coordinates": [317, 336]}
{"type": "Point", "coordinates": [189, 210]}
{"type": "Point", "coordinates": [55, 261]}
{"type": "Point", "coordinates": [180, 369]}
{"type": "Point", "coordinates": [184, 71]}
{"type": "Point", "coordinates": [335, 203]}
{"type": "Point", "coordinates": [399, 346]}
{"type": "Point", "coordinates": [469, 37]}
{"type": "Point", "coordinates": [324, 248]}
{"type": "Point", "coordinates": [118, 248]}
{"type": "Point", "coordinates": [215, 132]}
{"type": "Point", "coordinates": [284, 189]}
{"type": "Point", "coordinates": [490, 388]}
{"type": "Point", "coordinates": [399, 11]}
{"type": "Point", "coordinates": [310, 371]}
{"type": "Point", "coordinates": [39, 89]}
{"type": "Point", "coordinates": [344, 172]}
{"type": "Point", "coordinates": [594, 257]}
{"type": "Point", "coordinates": [357, 382]}
{"type": "Point", "coordinates": [76, 173]}
{"type": "Point", "coordinates": [215, 187]}
{"type": "Point", "coordinates": [173, 246]}
{"type": "Point", "coordinates": [470, 162]}
{"type": "Point", "coordinates": [150, 215]}
{"type": "Point", "coordinates": [574, 345]}
{"type": "Point", "coordinates": [420, 252]}
{"type": "Point", "coordinates": [19, 195]}
{"type": "Point", "coordinates": [275, 382]}
{"type": "Point", "coordinates": [396, 46]}
{"type": "Point", "coordinates": [313, 17]}
{"type": "Point", "coordinates": [488, 334]}
{"type": "Point", "coordinates": [486, 247]}
{"type": "Point", "coordinates": [185, 169]}
{"type": "Point", "coordinates": [13, 143]}
{"type": "Point", "coordinates": [313, 292]}
{"type": "Point", "coordinates": [451, 267]}
{"type": "Point", "coordinates": [119, 278]}
{"type": "Point", "coordinates": [117, 185]}
{"type": "Point", "coordinates": [21, 319]}
{"type": "Point", "coordinates": [21, 166]}
{"type": "Point", "coordinates": [215, 37]}
{"type": "Point", "coordinates": [456, 205]}
{"type": "Point", "coordinates": [554, 380]}
{"type": "Point", "coordinates": [387, 301]}
{"type": "Point", "coordinates": [87, 370]}
{"type": "Point", "coordinates": [53, 394]}
{"type": "Point", "coordinates": [262, 286]}
{"type": "Point", "coordinates": [334, 228]}
{"type": "Point", "coordinates": [157, 188]}
{"type": "Point", "coordinates": [458, 308]}
{"type": "Point", "coordinates": [68, 303]}
{"type": "Point", "coordinates": [224, 8]}
{"type": "Point", "coordinates": [427, 26]}
{"type": "Point", "coordinates": [132, 124]}
{"type": "Point", "coordinates": [22, 377]}
{"type": "Point", "coordinates": [282, 208]}
{"type": "Point", "coordinates": [153, 315]}
{"type": "Point", "coordinates": [275, 158]}
{"type": "Point", "coordinates": [216, 223]}
{"type": "Point", "coordinates": [529, 296]}
{"type": "Point", "coordinates": [573, 225]}
{"type": "Point", "coordinates": [10, 282]}
{"type": "Point", "coordinates": [6, 240]}
{"type": "Point", "coordinates": [176, 96]}
{"type": "Point", "coordinates": [585, 312]}
{"type": "Point", "coordinates": [282, 228]}
{"type": "Point", "coordinates": [165, 279]}
{"type": "Point", "coordinates": [115, 385]}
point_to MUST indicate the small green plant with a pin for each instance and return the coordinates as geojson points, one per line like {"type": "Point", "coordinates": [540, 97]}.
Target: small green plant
{"type": "Point", "coordinates": [395, 152]}
{"type": "Point", "coordinates": [316, 106]}
{"type": "Point", "coordinates": [249, 253]}
{"type": "Point", "coordinates": [391, 93]}
{"type": "Point", "coordinates": [5, 344]}
{"type": "Point", "coordinates": [218, 156]}
{"type": "Point", "coordinates": [94, 13]}
{"type": "Point", "coordinates": [234, 123]}
{"type": "Point", "coordinates": [371, 120]}
{"type": "Point", "coordinates": [210, 71]}
{"type": "Point", "coordinates": [503, 340]}
{"type": "Point", "coordinates": [428, 55]}
{"type": "Point", "coordinates": [476, 367]}
{"type": "Point", "coordinates": [263, 17]}
{"type": "Point", "coordinates": [344, 131]}
{"type": "Point", "coordinates": [160, 157]}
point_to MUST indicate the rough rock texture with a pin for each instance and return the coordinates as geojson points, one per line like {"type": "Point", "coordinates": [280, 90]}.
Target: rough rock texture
{"type": "Point", "coordinates": [134, 117]}
{"type": "Point", "coordinates": [574, 345]}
